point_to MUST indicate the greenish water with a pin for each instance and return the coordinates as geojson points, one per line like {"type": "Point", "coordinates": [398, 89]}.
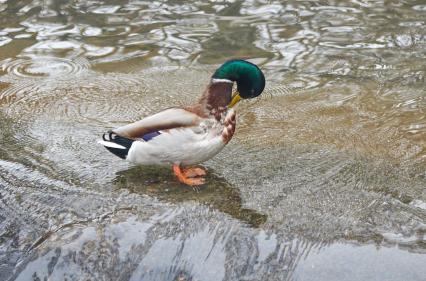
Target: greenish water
{"type": "Point", "coordinates": [324, 179]}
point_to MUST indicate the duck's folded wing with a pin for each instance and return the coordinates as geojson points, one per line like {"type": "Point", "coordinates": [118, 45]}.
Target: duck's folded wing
{"type": "Point", "coordinates": [164, 120]}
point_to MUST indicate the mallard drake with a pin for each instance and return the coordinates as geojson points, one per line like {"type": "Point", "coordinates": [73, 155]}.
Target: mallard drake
{"type": "Point", "coordinates": [186, 136]}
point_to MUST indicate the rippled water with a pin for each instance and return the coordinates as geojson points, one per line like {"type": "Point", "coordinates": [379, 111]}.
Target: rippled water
{"type": "Point", "coordinates": [324, 180]}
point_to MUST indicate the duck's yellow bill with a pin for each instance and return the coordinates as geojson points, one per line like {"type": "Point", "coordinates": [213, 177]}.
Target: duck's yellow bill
{"type": "Point", "coordinates": [235, 99]}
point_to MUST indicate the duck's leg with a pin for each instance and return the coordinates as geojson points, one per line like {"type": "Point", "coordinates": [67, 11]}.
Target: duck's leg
{"type": "Point", "coordinates": [189, 176]}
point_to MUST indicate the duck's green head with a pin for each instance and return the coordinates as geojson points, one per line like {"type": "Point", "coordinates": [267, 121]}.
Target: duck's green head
{"type": "Point", "coordinates": [249, 78]}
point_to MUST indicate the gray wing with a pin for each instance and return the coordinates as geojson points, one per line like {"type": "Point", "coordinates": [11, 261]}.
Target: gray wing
{"type": "Point", "coordinates": [167, 119]}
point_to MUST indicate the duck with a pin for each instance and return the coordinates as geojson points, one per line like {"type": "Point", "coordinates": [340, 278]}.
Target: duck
{"type": "Point", "coordinates": [185, 136]}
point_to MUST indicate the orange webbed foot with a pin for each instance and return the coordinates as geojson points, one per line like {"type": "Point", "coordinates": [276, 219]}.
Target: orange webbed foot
{"type": "Point", "coordinates": [194, 172]}
{"type": "Point", "coordinates": [190, 176]}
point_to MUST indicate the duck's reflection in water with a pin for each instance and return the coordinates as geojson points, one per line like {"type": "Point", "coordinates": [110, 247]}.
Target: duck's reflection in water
{"type": "Point", "coordinates": [181, 235]}
{"type": "Point", "coordinates": [178, 237]}
{"type": "Point", "coordinates": [185, 243]}
{"type": "Point", "coordinates": [217, 193]}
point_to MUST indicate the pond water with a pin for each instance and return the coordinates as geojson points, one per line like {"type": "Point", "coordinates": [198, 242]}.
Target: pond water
{"type": "Point", "coordinates": [324, 179]}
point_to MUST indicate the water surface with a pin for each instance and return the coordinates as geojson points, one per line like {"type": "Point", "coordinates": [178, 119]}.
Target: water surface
{"type": "Point", "coordinates": [325, 177]}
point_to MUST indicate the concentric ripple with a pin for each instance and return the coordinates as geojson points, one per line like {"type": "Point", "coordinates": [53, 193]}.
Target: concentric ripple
{"type": "Point", "coordinates": [42, 67]}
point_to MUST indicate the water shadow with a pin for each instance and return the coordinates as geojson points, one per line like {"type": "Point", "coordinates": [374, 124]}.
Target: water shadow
{"type": "Point", "coordinates": [217, 193]}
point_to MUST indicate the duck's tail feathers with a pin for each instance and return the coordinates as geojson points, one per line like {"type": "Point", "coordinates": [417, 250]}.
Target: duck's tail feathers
{"type": "Point", "coordinates": [116, 144]}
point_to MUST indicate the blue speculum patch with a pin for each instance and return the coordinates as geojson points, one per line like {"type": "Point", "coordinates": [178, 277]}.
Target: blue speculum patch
{"type": "Point", "coordinates": [150, 136]}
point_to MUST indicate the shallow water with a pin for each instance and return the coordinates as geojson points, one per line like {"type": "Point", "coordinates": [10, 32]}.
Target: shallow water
{"type": "Point", "coordinates": [324, 180]}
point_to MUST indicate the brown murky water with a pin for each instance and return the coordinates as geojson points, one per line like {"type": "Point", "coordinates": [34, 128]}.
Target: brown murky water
{"type": "Point", "coordinates": [325, 178]}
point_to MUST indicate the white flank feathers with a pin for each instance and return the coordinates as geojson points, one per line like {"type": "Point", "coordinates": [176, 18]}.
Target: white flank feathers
{"type": "Point", "coordinates": [177, 146]}
{"type": "Point", "coordinates": [186, 146]}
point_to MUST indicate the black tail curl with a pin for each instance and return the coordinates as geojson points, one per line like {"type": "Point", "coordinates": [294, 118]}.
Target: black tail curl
{"type": "Point", "coordinates": [126, 143]}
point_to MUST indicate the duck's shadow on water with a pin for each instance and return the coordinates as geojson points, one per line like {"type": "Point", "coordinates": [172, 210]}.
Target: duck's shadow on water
{"type": "Point", "coordinates": [217, 193]}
